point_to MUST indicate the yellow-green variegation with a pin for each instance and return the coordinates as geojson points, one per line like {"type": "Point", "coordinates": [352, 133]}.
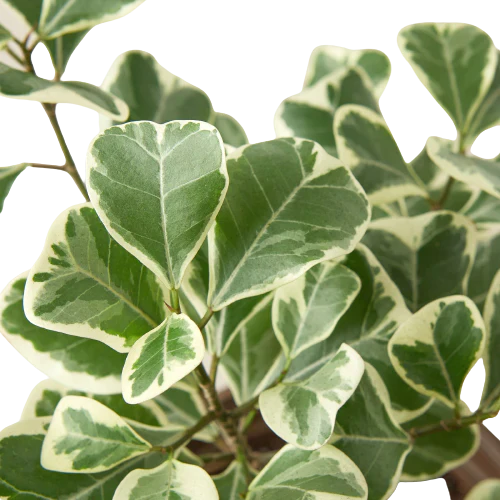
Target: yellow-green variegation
{"type": "Point", "coordinates": [172, 480]}
{"type": "Point", "coordinates": [434, 350]}
{"type": "Point", "coordinates": [306, 310]}
{"type": "Point", "coordinates": [365, 430]}
{"type": "Point", "coordinates": [157, 189]}
{"type": "Point", "coordinates": [303, 412]}
{"type": "Point", "coordinates": [7, 177]}
{"type": "Point", "coordinates": [80, 363]}
{"type": "Point", "coordinates": [428, 256]}
{"type": "Point", "coordinates": [85, 284]}
{"type": "Point", "coordinates": [456, 63]}
{"type": "Point", "coordinates": [324, 474]}
{"type": "Point", "coordinates": [289, 206]}
{"type": "Point", "coordinates": [489, 489]}
{"type": "Point", "coordinates": [366, 145]}
{"type": "Point", "coordinates": [21, 85]}
{"type": "Point", "coordinates": [161, 358]}
{"type": "Point", "coordinates": [86, 436]}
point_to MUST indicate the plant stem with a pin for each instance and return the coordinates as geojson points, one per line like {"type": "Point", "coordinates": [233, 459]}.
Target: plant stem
{"type": "Point", "coordinates": [213, 368]}
{"type": "Point", "coordinates": [174, 299]}
{"type": "Point", "coordinates": [206, 318]}
{"type": "Point", "coordinates": [215, 457]}
{"type": "Point", "coordinates": [444, 195]}
{"type": "Point", "coordinates": [45, 165]}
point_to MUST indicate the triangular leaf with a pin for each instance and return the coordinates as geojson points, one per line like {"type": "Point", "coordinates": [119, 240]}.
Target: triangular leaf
{"type": "Point", "coordinates": [435, 349]}
{"type": "Point", "coordinates": [161, 358]}
{"type": "Point", "coordinates": [303, 413]}
{"type": "Point", "coordinates": [7, 177]}
{"type": "Point", "coordinates": [62, 48]}
{"type": "Point", "coordinates": [87, 285]}
{"type": "Point", "coordinates": [158, 188]}
{"type": "Point", "coordinates": [85, 436]}
{"type": "Point", "coordinates": [276, 220]}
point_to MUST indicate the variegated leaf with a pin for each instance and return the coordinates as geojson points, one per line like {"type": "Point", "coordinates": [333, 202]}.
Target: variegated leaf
{"type": "Point", "coordinates": [428, 256]}
{"type": "Point", "coordinates": [161, 358]}
{"type": "Point", "coordinates": [231, 484]}
{"type": "Point", "coordinates": [80, 363]}
{"type": "Point", "coordinates": [7, 177]}
{"type": "Point", "coordinates": [306, 311]}
{"type": "Point", "coordinates": [482, 208]}
{"type": "Point", "coordinates": [303, 413]}
{"type": "Point", "coordinates": [158, 188]}
{"type": "Point", "coordinates": [289, 206]}
{"type": "Point", "coordinates": [488, 489]}
{"type": "Point", "coordinates": [86, 436]}
{"type": "Point", "coordinates": [490, 400]}
{"type": "Point", "coordinates": [28, 10]}
{"type": "Point", "coordinates": [254, 358]}
{"type": "Point", "coordinates": [434, 455]}
{"type": "Point", "coordinates": [474, 171]}
{"type": "Point", "coordinates": [441, 55]}
{"type": "Point", "coordinates": [153, 93]}
{"type": "Point", "coordinates": [5, 37]}
{"type": "Point", "coordinates": [435, 349]}
{"type": "Point", "coordinates": [62, 48]}
{"type": "Point", "coordinates": [365, 430]}
{"type": "Point", "coordinates": [18, 84]}
{"type": "Point", "coordinates": [85, 284]}
{"type": "Point", "coordinates": [172, 480]}
{"type": "Point", "coordinates": [231, 131]}
{"type": "Point", "coordinates": [366, 145]}
{"type": "Point", "coordinates": [324, 474]}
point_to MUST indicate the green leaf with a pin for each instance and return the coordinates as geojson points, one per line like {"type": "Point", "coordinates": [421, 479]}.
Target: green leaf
{"type": "Point", "coordinates": [474, 171]}
{"type": "Point", "coordinates": [172, 480]}
{"type": "Point", "coordinates": [7, 177]}
{"type": "Point", "coordinates": [27, 86]}
{"type": "Point", "coordinates": [59, 17]}
{"type": "Point", "coordinates": [153, 93]}
{"type": "Point", "coordinates": [231, 484]}
{"type": "Point", "coordinates": [327, 59]}
{"type": "Point", "coordinates": [490, 400]}
{"type": "Point", "coordinates": [161, 358]}
{"type": "Point", "coordinates": [45, 397]}
{"type": "Point", "coordinates": [306, 310]}
{"type": "Point", "coordinates": [483, 208]}
{"type": "Point", "coordinates": [254, 359]}
{"type": "Point", "coordinates": [434, 455]}
{"type": "Point", "coordinates": [231, 131]}
{"type": "Point", "coordinates": [365, 431]}
{"type": "Point", "coordinates": [428, 257]}
{"type": "Point", "coordinates": [85, 284]}
{"type": "Point", "coordinates": [81, 364]}
{"type": "Point", "coordinates": [22, 476]}
{"type": "Point", "coordinates": [158, 188]}
{"type": "Point", "coordinates": [435, 349]}
{"type": "Point", "coordinates": [276, 220]}
{"type": "Point", "coordinates": [294, 474]}
{"type": "Point", "coordinates": [303, 413]}
{"type": "Point", "coordinates": [489, 489]}
{"type": "Point", "coordinates": [366, 145]}
{"type": "Point", "coordinates": [456, 63]}
{"type": "Point", "coordinates": [61, 49]}
{"type": "Point", "coordinates": [310, 113]}
{"type": "Point", "coordinates": [85, 436]}
{"type": "Point", "coordinates": [5, 37]}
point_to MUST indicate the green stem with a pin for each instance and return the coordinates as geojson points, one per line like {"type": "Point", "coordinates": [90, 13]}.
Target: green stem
{"type": "Point", "coordinates": [206, 318]}
{"type": "Point", "coordinates": [213, 368]}
{"type": "Point", "coordinates": [216, 457]}
{"type": "Point", "coordinates": [444, 195]}
{"type": "Point", "coordinates": [174, 299]}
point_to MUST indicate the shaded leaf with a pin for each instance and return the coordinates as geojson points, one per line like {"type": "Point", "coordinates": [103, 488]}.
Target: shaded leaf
{"type": "Point", "coordinates": [7, 177]}
{"type": "Point", "coordinates": [231, 484]}
{"type": "Point", "coordinates": [231, 131]}
{"type": "Point", "coordinates": [62, 48]}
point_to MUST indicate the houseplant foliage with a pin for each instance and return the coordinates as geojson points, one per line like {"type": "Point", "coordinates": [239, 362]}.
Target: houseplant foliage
{"type": "Point", "coordinates": [342, 293]}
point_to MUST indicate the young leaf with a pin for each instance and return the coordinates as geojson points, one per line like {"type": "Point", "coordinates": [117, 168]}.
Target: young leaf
{"type": "Point", "coordinates": [434, 455]}
{"type": "Point", "coordinates": [306, 311]}
{"type": "Point", "coordinates": [231, 484]}
{"type": "Point", "coordinates": [85, 436]}
{"type": "Point", "coordinates": [324, 474]}
{"type": "Point", "coordinates": [254, 358]}
{"type": "Point", "coordinates": [172, 480]}
{"type": "Point", "coordinates": [441, 55]}
{"type": "Point", "coordinates": [158, 188]}
{"type": "Point", "coordinates": [489, 489]}
{"type": "Point", "coordinates": [18, 84]}
{"type": "Point", "coordinates": [85, 284]}
{"type": "Point", "coordinates": [435, 349]}
{"type": "Point", "coordinates": [428, 257]}
{"type": "Point", "coordinates": [303, 413]}
{"type": "Point", "coordinates": [59, 17]}
{"type": "Point", "coordinates": [168, 97]}
{"type": "Point", "coordinates": [161, 358]}
{"type": "Point", "coordinates": [366, 145]}
{"type": "Point", "coordinates": [231, 131]}
{"type": "Point", "coordinates": [365, 430]}
{"type": "Point", "coordinates": [485, 174]}
{"type": "Point", "coordinates": [62, 48]}
{"type": "Point", "coordinates": [276, 220]}
{"type": "Point", "coordinates": [7, 177]}
{"type": "Point", "coordinates": [490, 400]}
{"type": "Point", "coordinates": [81, 364]}
{"type": "Point", "coordinates": [5, 37]}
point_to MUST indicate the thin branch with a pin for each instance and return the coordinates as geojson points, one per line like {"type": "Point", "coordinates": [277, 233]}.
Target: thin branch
{"type": "Point", "coordinates": [206, 318]}
{"type": "Point", "coordinates": [45, 165]}
{"type": "Point", "coordinates": [213, 367]}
